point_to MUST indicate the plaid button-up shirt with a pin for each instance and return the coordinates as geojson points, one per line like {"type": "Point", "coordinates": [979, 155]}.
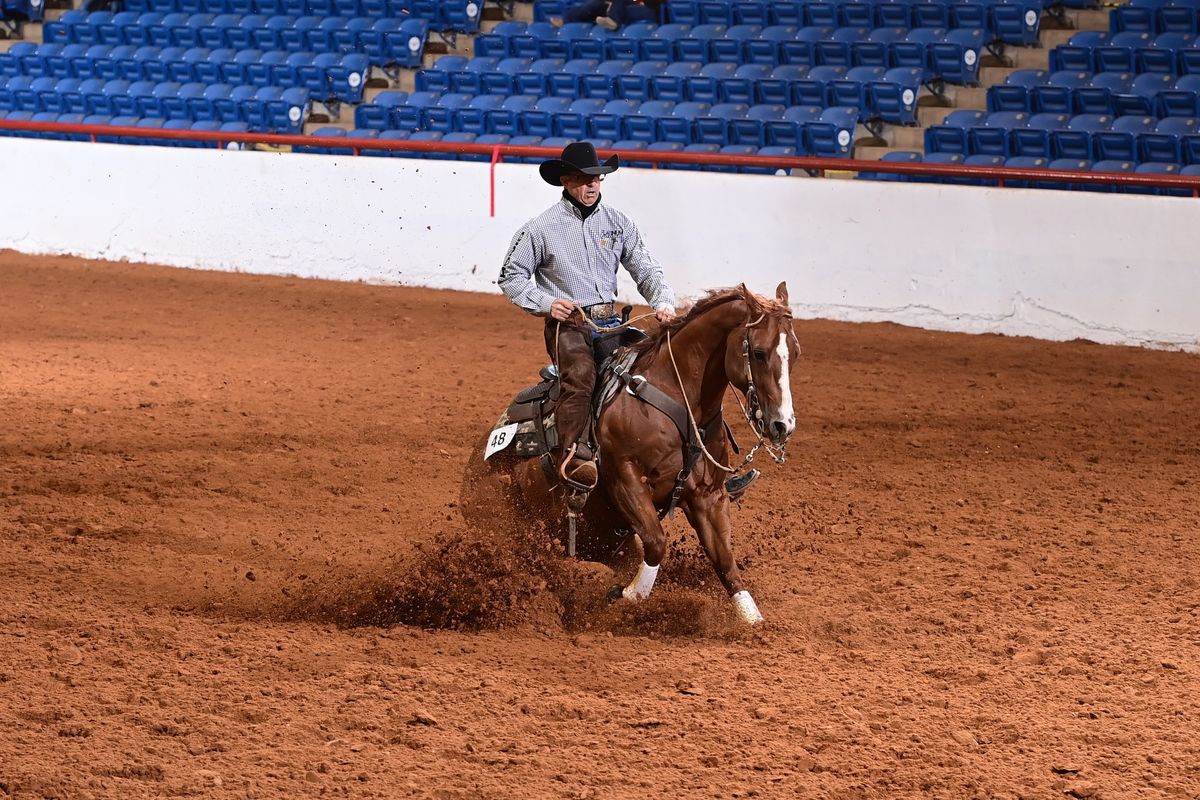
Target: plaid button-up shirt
{"type": "Point", "coordinates": [559, 253]}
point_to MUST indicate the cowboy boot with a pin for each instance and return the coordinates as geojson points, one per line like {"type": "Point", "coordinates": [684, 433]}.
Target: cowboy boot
{"type": "Point", "coordinates": [577, 472]}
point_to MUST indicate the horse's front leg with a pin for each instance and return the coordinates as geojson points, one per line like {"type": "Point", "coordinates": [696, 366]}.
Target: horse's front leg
{"type": "Point", "coordinates": [708, 512]}
{"type": "Point", "coordinates": [631, 495]}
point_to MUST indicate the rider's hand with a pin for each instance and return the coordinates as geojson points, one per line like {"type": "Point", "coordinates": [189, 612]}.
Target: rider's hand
{"type": "Point", "coordinates": [665, 313]}
{"type": "Point", "coordinates": [561, 309]}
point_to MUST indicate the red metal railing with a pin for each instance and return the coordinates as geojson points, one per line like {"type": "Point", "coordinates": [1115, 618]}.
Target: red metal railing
{"type": "Point", "coordinates": [496, 153]}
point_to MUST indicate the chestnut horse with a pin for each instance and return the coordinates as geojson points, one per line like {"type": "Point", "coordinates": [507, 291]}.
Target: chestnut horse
{"type": "Point", "coordinates": [728, 338]}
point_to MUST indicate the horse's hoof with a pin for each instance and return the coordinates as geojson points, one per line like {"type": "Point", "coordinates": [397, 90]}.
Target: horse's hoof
{"type": "Point", "coordinates": [615, 594]}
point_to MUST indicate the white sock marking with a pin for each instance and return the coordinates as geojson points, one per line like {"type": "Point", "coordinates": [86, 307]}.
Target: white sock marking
{"type": "Point", "coordinates": [643, 582]}
{"type": "Point", "coordinates": [747, 609]}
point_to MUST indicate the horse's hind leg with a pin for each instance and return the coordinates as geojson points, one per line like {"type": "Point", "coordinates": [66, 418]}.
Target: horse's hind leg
{"type": "Point", "coordinates": [709, 515]}
{"type": "Point", "coordinates": [631, 498]}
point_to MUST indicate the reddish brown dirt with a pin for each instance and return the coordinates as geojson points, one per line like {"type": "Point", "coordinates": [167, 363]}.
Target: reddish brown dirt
{"type": "Point", "coordinates": [979, 565]}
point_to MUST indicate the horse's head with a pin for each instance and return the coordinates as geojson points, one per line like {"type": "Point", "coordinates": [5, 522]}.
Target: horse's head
{"type": "Point", "coordinates": [759, 358]}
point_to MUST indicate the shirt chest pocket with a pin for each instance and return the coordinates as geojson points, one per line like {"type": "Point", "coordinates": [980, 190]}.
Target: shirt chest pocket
{"type": "Point", "coordinates": [612, 247]}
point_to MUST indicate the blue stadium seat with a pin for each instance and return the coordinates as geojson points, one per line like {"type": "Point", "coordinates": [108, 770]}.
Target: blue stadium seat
{"type": "Point", "coordinates": [832, 134]}
{"type": "Point", "coordinates": [898, 157]}
{"type": "Point", "coordinates": [913, 49]}
{"type": "Point", "coordinates": [1076, 54]}
{"type": "Point", "coordinates": [1119, 54]}
{"type": "Point", "coordinates": [929, 14]}
{"type": "Point", "coordinates": [1120, 142]}
{"type": "Point", "coordinates": [1165, 143]}
{"type": "Point", "coordinates": [524, 141]}
{"type": "Point", "coordinates": [993, 136]}
{"type": "Point", "coordinates": [680, 125]}
{"type": "Point", "coordinates": [503, 80]}
{"type": "Point", "coordinates": [672, 83]}
{"type": "Point", "coordinates": [437, 77]}
{"type": "Point", "coordinates": [781, 12]}
{"type": "Point", "coordinates": [789, 130]}
{"type": "Point", "coordinates": [626, 44]}
{"type": "Point", "coordinates": [1058, 93]}
{"type": "Point", "coordinates": [1161, 191]}
{"type": "Point", "coordinates": [1076, 141]}
{"type": "Point", "coordinates": [856, 14]}
{"type": "Point", "coordinates": [1034, 138]}
{"type": "Point", "coordinates": [777, 87]}
{"type": "Point", "coordinates": [506, 117]}
{"type": "Point", "coordinates": [573, 122]}
{"type": "Point", "coordinates": [813, 89]}
{"type": "Point", "coordinates": [495, 44]}
{"type": "Point", "coordinates": [535, 78]}
{"type": "Point", "coordinates": [898, 14]}
{"type": "Point", "coordinates": [876, 49]}
{"type": "Point", "coordinates": [950, 159]}
{"type": "Point", "coordinates": [601, 84]}
{"type": "Point", "coordinates": [568, 82]}
{"type": "Point", "coordinates": [470, 78]}
{"type": "Point", "coordinates": [439, 116]}
{"type": "Point", "coordinates": [377, 115]}
{"type": "Point", "coordinates": [473, 117]}
{"type": "Point", "coordinates": [835, 50]}
{"type": "Point", "coordinates": [951, 135]}
{"type": "Point", "coordinates": [695, 43]}
{"type": "Point", "coordinates": [802, 47]}
{"type": "Point", "coordinates": [660, 45]}
{"type": "Point", "coordinates": [713, 128]}
{"type": "Point", "coordinates": [742, 86]}
{"type": "Point", "coordinates": [851, 88]}
{"type": "Point", "coordinates": [1015, 93]}
{"type": "Point", "coordinates": [767, 47]}
{"type": "Point", "coordinates": [635, 85]}
{"type": "Point", "coordinates": [409, 115]}
{"type": "Point", "coordinates": [893, 97]}
{"type": "Point", "coordinates": [751, 129]}
{"type": "Point", "coordinates": [956, 57]}
{"type": "Point", "coordinates": [643, 124]}
{"type": "Point", "coordinates": [1162, 54]}
{"type": "Point", "coordinates": [592, 46]}
{"type": "Point", "coordinates": [609, 123]}
{"type": "Point", "coordinates": [1097, 95]}
{"type": "Point", "coordinates": [538, 119]}
{"type": "Point", "coordinates": [1143, 97]}
{"type": "Point", "coordinates": [1178, 18]}
{"type": "Point", "coordinates": [1016, 21]}
{"type": "Point", "coordinates": [1135, 17]}
{"type": "Point", "coordinates": [705, 86]}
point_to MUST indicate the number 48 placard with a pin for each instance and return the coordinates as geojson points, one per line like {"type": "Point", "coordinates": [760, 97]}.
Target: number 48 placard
{"type": "Point", "coordinates": [500, 439]}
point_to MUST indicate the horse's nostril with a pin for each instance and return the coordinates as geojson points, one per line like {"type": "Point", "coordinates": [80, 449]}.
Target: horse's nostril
{"type": "Point", "coordinates": [778, 428]}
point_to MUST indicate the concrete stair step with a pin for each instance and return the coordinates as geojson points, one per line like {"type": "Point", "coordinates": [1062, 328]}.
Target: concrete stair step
{"type": "Point", "coordinates": [1028, 57]}
{"type": "Point", "coordinates": [1051, 39]}
{"type": "Point", "coordinates": [970, 97]}
{"type": "Point", "coordinates": [933, 115]}
{"type": "Point", "coordinates": [1086, 19]}
{"type": "Point", "coordinates": [991, 76]}
{"type": "Point", "coordinates": [904, 138]}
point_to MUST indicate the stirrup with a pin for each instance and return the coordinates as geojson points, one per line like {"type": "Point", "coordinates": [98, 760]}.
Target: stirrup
{"type": "Point", "coordinates": [737, 485]}
{"type": "Point", "coordinates": [577, 486]}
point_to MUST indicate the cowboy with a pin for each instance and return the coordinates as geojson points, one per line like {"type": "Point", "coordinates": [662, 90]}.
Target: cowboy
{"type": "Point", "coordinates": [562, 265]}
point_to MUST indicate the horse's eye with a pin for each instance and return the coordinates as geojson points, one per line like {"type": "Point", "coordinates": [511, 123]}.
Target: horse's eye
{"type": "Point", "coordinates": [760, 356]}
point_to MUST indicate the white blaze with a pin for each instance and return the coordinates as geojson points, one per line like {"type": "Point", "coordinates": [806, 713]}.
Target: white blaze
{"type": "Point", "coordinates": [787, 415]}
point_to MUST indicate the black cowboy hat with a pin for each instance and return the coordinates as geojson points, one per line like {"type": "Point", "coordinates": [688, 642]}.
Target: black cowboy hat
{"type": "Point", "coordinates": [576, 157]}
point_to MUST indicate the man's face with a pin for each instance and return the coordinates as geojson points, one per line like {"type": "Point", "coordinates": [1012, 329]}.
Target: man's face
{"type": "Point", "coordinates": [584, 188]}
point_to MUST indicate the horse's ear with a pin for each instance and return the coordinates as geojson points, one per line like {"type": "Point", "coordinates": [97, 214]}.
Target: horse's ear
{"type": "Point", "coordinates": [781, 293]}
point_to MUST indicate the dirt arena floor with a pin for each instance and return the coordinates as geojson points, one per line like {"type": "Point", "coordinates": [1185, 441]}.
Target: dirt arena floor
{"type": "Point", "coordinates": [228, 518]}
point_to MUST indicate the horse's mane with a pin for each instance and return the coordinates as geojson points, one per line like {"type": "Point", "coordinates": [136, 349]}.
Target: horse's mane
{"type": "Point", "coordinates": [649, 346]}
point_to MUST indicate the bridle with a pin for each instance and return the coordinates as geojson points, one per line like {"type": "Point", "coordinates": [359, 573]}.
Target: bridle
{"type": "Point", "coordinates": [753, 413]}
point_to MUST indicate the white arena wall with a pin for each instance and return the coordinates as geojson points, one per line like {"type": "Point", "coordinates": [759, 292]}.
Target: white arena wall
{"type": "Point", "coordinates": [1055, 265]}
